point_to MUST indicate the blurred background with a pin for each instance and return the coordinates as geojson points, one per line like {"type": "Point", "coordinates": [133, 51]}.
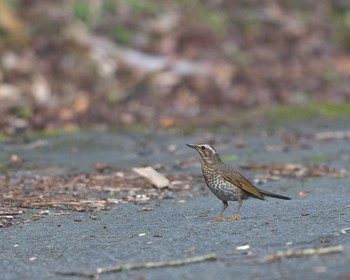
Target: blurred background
{"type": "Point", "coordinates": [110, 63]}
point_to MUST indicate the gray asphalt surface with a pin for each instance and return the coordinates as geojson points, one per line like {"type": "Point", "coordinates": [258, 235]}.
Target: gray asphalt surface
{"type": "Point", "coordinates": [178, 228]}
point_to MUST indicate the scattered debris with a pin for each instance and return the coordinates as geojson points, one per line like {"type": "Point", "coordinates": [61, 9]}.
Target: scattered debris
{"type": "Point", "coordinates": [301, 253]}
{"type": "Point", "coordinates": [154, 177]}
{"type": "Point", "coordinates": [135, 266]}
{"type": "Point", "coordinates": [77, 192]}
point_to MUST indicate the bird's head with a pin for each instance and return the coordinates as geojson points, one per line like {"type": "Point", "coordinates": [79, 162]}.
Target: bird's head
{"type": "Point", "coordinates": [206, 151]}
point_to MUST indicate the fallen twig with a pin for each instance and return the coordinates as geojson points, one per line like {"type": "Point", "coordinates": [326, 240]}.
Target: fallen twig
{"type": "Point", "coordinates": [11, 213]}
{"type": "Point", "coordinates": [206, 214]}
{"type": "Point", "coordinates": [327, 135]}
{"type": "Point", "coordinates": [134, 266]}
{"type": "Point", "coordinates": [196, 216]}
{"type": "Point", "coordinates": [296, 170]}
{"type": "Point", "coordinates": [301, 253]}
{"type": "Point", "coordinates": [63, 202]}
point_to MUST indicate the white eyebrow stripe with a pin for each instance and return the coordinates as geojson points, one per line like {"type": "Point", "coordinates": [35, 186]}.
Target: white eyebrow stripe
{"type": "Point", "coordinates": [210, 148]}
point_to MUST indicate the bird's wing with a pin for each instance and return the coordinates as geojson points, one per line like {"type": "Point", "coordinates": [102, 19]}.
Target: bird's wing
{"type": "Point", "coordinates": [243, 183]}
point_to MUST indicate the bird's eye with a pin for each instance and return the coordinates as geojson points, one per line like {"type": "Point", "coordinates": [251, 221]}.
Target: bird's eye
{"type": "Point", "coordinates": [203, 148]}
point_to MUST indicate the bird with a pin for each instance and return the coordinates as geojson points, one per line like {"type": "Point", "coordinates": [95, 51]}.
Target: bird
{"type": "Point", "coordinates": [227, 184]}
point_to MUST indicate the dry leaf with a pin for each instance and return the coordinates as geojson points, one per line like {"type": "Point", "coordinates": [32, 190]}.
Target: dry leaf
{"type": "Point", "coordinates": [81, 104]}
{"type": "Point", "coordinates": [154, 177]}
{"type": "Point", "coordinates": [167, 122]}
{"type": "Point", "coordinates": [9, 21]}
{"type": "Point", "coordinates": [301, 194]}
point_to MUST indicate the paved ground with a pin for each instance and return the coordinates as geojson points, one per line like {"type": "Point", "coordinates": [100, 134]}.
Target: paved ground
{"type": "Point", "coordinates": [178, 228]}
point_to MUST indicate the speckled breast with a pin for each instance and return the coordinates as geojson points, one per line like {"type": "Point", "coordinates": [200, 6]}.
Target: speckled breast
{"type": "Point", "coordinates": [221, 188]}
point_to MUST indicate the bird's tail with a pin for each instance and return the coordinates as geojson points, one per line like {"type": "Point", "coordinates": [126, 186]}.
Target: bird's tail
{"type": "Point", "coordinates": [270, 194]}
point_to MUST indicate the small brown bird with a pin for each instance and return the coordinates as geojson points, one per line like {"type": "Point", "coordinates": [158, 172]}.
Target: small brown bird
{"type": "Point", "coordinates": [226, 183]}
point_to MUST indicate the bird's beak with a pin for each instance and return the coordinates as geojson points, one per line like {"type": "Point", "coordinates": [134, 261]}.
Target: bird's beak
{"type": "Point", "coordinates": [192, 146]}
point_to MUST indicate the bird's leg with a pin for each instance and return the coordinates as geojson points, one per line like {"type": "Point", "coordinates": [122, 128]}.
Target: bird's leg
{"type": "Point", "coordinates": [235, 215]}
{"type": "Point", "coordinates": [219, 217]}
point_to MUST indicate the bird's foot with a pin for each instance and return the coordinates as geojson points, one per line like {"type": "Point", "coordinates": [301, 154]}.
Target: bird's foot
{"type": "Point", "coordinates": [218, 219]}
{"type": "Point", "coordinates": [234, 218]}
